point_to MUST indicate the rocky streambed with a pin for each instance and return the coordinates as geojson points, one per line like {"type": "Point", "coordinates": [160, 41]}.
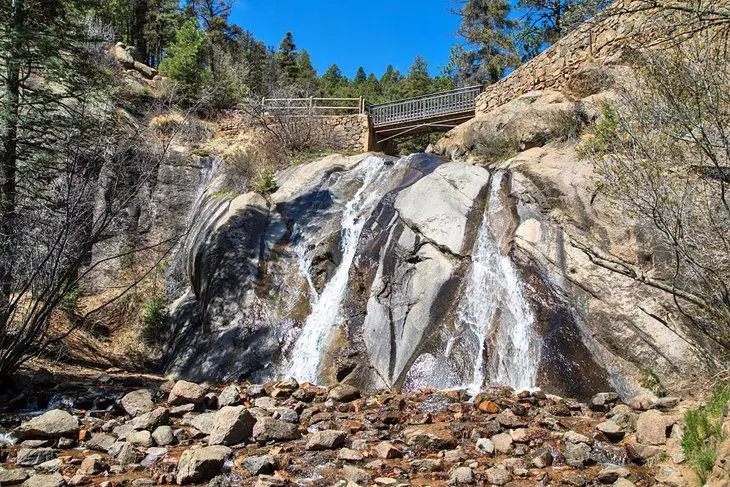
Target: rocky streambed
{"type": "Point", "coordinates": [122, 430]}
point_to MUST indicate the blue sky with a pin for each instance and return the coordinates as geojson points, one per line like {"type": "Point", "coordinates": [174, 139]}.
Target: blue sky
{"type": "Point", "coordinates": [350, 33]}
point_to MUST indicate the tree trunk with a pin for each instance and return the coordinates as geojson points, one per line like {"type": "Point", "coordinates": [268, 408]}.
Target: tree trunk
{"type": "Point", "coordinates": [9, 156]}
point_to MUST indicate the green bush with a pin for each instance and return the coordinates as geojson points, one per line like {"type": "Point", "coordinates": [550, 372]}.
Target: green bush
{"type": "Point", "coordinates": [185, 62]}
{"type": "Point", "coordinates": [265, 183]}
{"type": "Point", "coordinates": [651, 382]}
{"type": "Point", "coordinates": [703, 432]}
{"type": "Point", "coordinates": [604, 139]}
{"type": "Point", "coordinates": [70, 301]}
{"type": "Point", "coordinates": [154, 320]}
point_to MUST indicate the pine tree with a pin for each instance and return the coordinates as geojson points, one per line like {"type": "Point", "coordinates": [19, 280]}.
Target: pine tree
{"type": "Point", "coordinates": [306, 74]}
{"type": "Point", "coordinates": [287, 58]}
{"type": "Point", "coordinates": [333, 82]}
{"type": "Point", "coordinates": [418, 82]}
{"type": "Point", "coordinates": [489, 49]}
{"type": "Point", "coordinates": [360, 77]}
{"type": "Point", "coordinates": [186, 61]}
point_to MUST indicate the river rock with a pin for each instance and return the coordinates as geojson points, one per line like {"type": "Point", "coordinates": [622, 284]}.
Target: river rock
{"type": "Point", "coordinates": [498, 476]}
{"type": "Point", "coordinates": [651, 428]}
{"type": "Point", "coordinates": [386, 450]}
{"type": "Point", "coordinates": [14, 476]}
{"type": "Point", "coordinates": [30, 457]}
{"type": "Point", "coordinates": [163, 436]}
{"type": "Point", "coordinates": [461, 476]}
{"type": "Point", "coordinates": [485, 445]}
{"type": "Point", "coordinates": [141, 438]}
{"type": "Point", "coordinates": [101, 442]}
{"type": "Point", "coordinates": [151, 419]}
{"type": "Point", "coordinates": [138, 402]}
{"type": "Point", "coordinates": [92, 465]}
{"type": "Point", "coordinates": [41, 480]}
{"type": "Point", "coordinates": [671, 477]}
{"type": "Point", "coordinates": [502, 443]}
{"type": "Point", "coordinates": [326, 440]}
{"type": "Point", "coordinates": [355, 474]}
{"type": "Point", "coordinates": [612, 430]}
{"type": "Point", "coordinates": [186, 392]}
{"type": "Point", "coordinates": [260, 465]}
{"type": "Point", "coordinates": [270, 429]}
{"type": "Point", "coordinates": [231, 425]}
{"type": "Point", "coordinates": [577, 454]}
{"type": "Point", "coordinates": [435, 436]}
{"type": "Point", "coordinates": [230, 396]}
{"type": "Point", "coordinates": [610, 475]}
{"type": "Point", "coordinates": [52, 424]}
{"type": "Point", "coordinates": [204, 422]}
{"type": "Point", "coordinates": [343, 393]}
{"type": "Point", "coordinates": [642, 402]}
{"type": "Point", "coordinates": [201, 465]}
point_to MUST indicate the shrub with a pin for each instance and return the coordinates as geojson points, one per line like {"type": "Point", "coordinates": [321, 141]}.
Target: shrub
{"type": "Point", "coordinates": [185, 61]}
{"type": "Point", "coordinates": [651, 382]}
{"type": "Point", "coordinates": [497, 145]}
{"type": "Point", "coordinates": [70, 301]}
{"type": "Point", "coordinates": [175, 125]}
{"type": "Point", "coordinates": [154, 320]}
{"type": "Point", "coordinates": [564, 125]}
{"type": "Point", "coordinates": [265, 183]}
{"type": "Point", "coordinates": [703, 432]}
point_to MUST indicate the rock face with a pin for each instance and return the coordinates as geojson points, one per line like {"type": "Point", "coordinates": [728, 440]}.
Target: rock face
{"type": "Point", "coordinates": [391, 312]}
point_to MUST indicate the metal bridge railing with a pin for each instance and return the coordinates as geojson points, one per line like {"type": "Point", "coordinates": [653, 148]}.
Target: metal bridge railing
{"type": "Point", "coordinates": [317, 106]}
{"type": "Point", "coordinates": [425, 107]}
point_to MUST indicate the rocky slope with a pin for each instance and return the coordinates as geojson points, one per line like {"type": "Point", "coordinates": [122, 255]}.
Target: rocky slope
{"type": "Point", "coordinates": [126, 430]}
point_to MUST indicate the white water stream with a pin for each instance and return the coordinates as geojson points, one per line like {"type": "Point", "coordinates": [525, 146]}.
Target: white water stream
{"type": "Point", "coordinates": [316, 333]}
{"type": "Point", "coordinates": [494, 308]}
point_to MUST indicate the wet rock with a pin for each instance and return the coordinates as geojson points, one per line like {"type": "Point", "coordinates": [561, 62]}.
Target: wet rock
{"type": "Point", "coordinates": [639, 453]}
{"type": "Point", "coordinates": [270, 429]}
{"type": "Point", "coordinates": [51, 465]}
{"type": "Point", "coordinates": [502, 443]}
{"type": "Point", "coordinates": [343, 393]}
{"type": "Point", "coordinates": [485, 445]}
{"type": "Point", "coordinates": [30, 457]}
{"type": "Point", "coordinates": [52, 424]}
{"type": "Point", "coordinates": [461, 476]}
{"type": "Point", "coordinates": [163, 436]}
{"type": "Point", "coordinates": [326, 440]}
{"type": "Point", "coordinates": [612, 431]}
{"type": "Point", "coordinates": [220, 481]}
{"type": "Point", "coordinates": [509, 419]}
{"type": "Point", "coordinates": [210, 401]}
{"type": "Point", "coordinates": [152, 419]}
{"type": "Point", "coordinates": [429, 436]}
{"type": "Point", "coordinates": [231, 425]}
{"type": "Point", "coordinates": [349, 455]}
{"type": "Point", "coordinates": [123, 431]}
{"type": "Point", "coordinates": [14, 477]}
{"type": "Point", "coordinates": [101, 442]}
{"type": "Point", "coordinates": [141, 438]}
{"type": "Point", "coordinates": [573, 437]}
{"type": "Point", "coordinates": [50, 480]}
{"type": "Point", "coordinates": [624, 483]}
{"type": "Point", "coordinates": [610, 475]}
{"type": "Point", "coordinates": [577, 454]}
{"type": "Point", "coordinates": [498, 476]}
{"type": "Point", "coordinates": [651, 428]}
{"type": "Point", "coordinates": [201, 465]}
{"type": "Point", "coordinates": [426, 465]}
{"type": "Point", "coordinates": [386, 450]}
{"type": "Point", "coordinates": [260, 465]}
{"type": "Point", "coordinates": [186, 392]}
{"type": "Point", "coordinates": [558, 409]}
{"type": "Point", "coordinates": [230, 396]}
{"type": "Point", "coordinates": [138, 402]}
{"type": "Point", "coordinates": [355, 474]}
{"type": "Point", "coordinates": [92, 465]}
{"type": "Point", "coordinates": [574, 481]}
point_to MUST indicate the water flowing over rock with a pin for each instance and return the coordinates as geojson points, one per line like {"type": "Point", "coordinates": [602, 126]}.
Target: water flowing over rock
{"type": "Point", "coordinates": [379, 272]}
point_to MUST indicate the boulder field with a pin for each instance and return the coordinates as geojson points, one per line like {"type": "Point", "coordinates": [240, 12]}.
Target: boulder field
{"type": "Point", "coordinates": [285, 433]}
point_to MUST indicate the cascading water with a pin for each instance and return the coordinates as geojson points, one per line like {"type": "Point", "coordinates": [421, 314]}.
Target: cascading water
{"type": "Point", "coordinates": [494, 309]}
{"type": "Point", "coordinates": [307, 352]}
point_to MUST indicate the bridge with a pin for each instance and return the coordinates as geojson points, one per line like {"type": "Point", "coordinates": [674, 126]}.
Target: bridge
{"type": "Point", "coordinates": [388, 121]}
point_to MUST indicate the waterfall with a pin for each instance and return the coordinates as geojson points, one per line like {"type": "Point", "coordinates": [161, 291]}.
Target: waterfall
{"type": "Point", "coordinates": [494, 309]}
{"type": "Point", "coordinates": [314, 338]}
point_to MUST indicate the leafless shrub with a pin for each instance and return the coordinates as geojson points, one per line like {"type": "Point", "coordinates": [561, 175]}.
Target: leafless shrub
{"type": "Point", "coordinates": [662, 155]}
